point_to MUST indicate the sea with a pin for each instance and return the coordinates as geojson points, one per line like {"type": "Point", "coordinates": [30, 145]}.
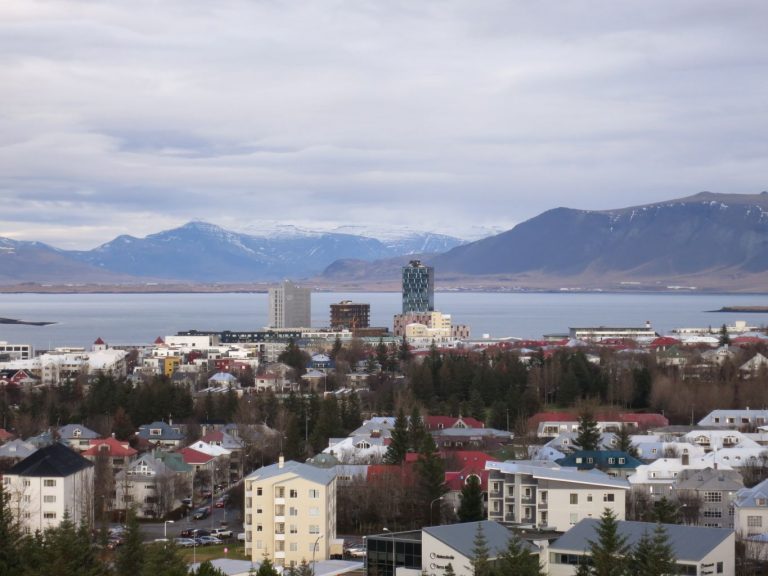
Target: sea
{"type": "Point", "coordinates": [138, 319]}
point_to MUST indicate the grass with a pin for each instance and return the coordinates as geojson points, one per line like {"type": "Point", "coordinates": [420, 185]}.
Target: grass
{"type": "Point", "coordinates": [203, 553]}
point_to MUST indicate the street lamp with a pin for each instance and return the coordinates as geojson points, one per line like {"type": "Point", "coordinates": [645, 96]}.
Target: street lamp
{"type": "Point", "coordinates": [430, 509]}
{"type": "Point", "coordinates": [165, 528]}
{"type": "Point", "coordinates": [394, 557]}
{"type": "Point", "coordinates": [314, 549]}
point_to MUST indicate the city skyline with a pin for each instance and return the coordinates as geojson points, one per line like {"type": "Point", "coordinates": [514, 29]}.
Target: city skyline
{"type": "Point", "coordinates": [453, 117]}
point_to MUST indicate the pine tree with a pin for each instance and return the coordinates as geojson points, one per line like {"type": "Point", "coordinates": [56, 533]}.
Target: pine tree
{"type": "Point", "coordinates": [430, 478]}
{"type": "Point", "coordinates": [266, 568]}
{"type": "Point", "coordinates": [416, 430]}
{"type": "Point", "coordinates": [398, 446]}
{"type": "Point", "coordinates": [10, 535]}
{"type": "Point", "coordinates": [665, 511]}
{"type": "Point", "coordinates": [588, 437]}
{"type": "Point", "coordinates": [625, 442]}
{"type": "Point", "coordinates": [129, 560]}
{"type": "Point", "coordinates": [725, 338]}
{"type": "Point", "coordinates": [480, 561]}
{"type": "Point", "coordinates": [471, 507]}
{"type": "Point", "coordinates": [653, 555]}
{"type": "Point", "coordinates": [609, 552]}
{"type": "Point", "coordinates": [162, 560]}
{"type": "Point", "coordinates": [517, 560]}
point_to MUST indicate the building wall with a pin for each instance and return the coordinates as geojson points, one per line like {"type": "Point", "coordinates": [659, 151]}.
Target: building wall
{"type": "Point", "coordinates": [285, 525]}
{"type": "Point", "coordinates": [418, 288]}
{"type": "Point", "coordinates": [39, 506]}
{"type": "Point", "coordinates": [436, 555]}
{"type": "Point", "coordinates": [350, 315]}
{"type": "Point", "coordinates": [290, 306]}
{"type": "Point", "coordinates": [750, 521]}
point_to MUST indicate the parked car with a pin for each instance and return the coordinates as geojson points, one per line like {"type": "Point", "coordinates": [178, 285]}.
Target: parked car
{"type": "Point", "coordinates": [209, 540]}
{"type": "Point", "coordinates": [184, 542]}
{"type": "Point", "coordinates": [186, 501]}
{"type": "Point", "coordinates": [355, 551]}
{"type": "Point", "coordinates": [221, 533]}
{"type": "Point", "coordinates": [195, 533]}
{"type": "Point", "coordinates": [201, 513]}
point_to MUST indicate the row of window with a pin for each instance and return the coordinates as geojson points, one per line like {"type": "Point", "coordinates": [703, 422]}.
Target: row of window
{"type": "Point", "coordinates": [292, 493]}
{"type": "Point", "coordinates": [292, 546]}
{"type": "Point", "coordinates": [313, 529]}
{"type": "Point", "coordinates": [607, 497]}
{"type": "Point", "coordinates": [48, 482]}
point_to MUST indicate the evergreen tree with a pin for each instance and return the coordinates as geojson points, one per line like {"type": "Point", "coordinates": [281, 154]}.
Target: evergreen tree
{"type": "Point", "coordinates": [10, 536]}
{"type": "Point", "coordinates": [207, 569]}
{"type": "Point", "coordinates": [129, 560]}
{"type": "Point", "coordinates": [471, 507]}
{"type": "Point", "coordinates": [162, 560]}
{"type": "Point", "coordinates": [337, 347]}
{"type": "Point", "coordinates": [382, 354]}
{"type": "Point", "coordinates": [665, 511]}
{"type": "Point", "coordinates": [404, 351]}
{"type": "Point", "coordinates": [588, 436]}
{"type": "Point", "coordinates": [725, 338]}
{"type": "Point", "coordinates": [476, 405]}
{"type": "Point", "coordinates": [430, 478]}
{"type": "Point", "coordinates": [609, 552]}
{"type": "Point", "coordinates": [625, 442]}
{"type": "Point", "coordinates": [480, 561]}
{"type": "Point", "coordinates": [653, 555]}
{"type": "Point", "coordinates": [416, 430]}
{"type": "Point", "coordinates": [68, 549]}
{"type": "Point", "coordinates": [328, 423]}
{"type": "Point", "coordinates": [517, 560]}
{"type": "Point", "coordinates": [449, 571]}
{"type": "Point", "coordinates": [266, 568]}
{"type": "Point", "coordinates": [398, 446]}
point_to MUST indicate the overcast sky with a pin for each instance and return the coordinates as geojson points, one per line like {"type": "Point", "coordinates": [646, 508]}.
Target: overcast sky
{"type": "Point", "coordinates": [451, 116]}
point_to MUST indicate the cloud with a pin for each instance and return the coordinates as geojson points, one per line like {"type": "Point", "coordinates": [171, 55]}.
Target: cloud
{"type": "Point", "coordinates": [128, 117]}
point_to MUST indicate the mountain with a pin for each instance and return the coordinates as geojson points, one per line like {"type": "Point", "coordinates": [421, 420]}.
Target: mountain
{"type": "Point", "coordinates": [37, 262]}
{"type": "Point", "coordinates": [202, 252]}
{"type": "Point", "coordinates": [702, 233]}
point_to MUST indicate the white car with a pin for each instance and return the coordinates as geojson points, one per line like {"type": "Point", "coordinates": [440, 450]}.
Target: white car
{"type": "Point", "coordinates": [221, 533]}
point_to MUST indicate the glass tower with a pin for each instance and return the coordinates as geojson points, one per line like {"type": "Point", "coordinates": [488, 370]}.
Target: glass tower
{"type": "Point", "coordinates": [418, 287]}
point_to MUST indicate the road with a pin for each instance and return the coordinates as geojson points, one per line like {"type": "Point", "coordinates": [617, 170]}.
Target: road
{"type": "Point", "coordinates": [233, 519]}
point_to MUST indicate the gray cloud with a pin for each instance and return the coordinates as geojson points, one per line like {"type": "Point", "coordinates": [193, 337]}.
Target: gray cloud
{"type": "Point", "coordinates": [132, 117]}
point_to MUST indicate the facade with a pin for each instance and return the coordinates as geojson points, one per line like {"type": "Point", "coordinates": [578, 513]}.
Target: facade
{"type": "Point", "coordinates": [52, 482]}
{"type": "Point", "coordinates": [290, 306]}
{"type": "Point", "coordinates": [615, 463]}
{"type": "Point", "coordinates": [150, 486]}
{"type": "Point", "coordinates": [599, 333]}
{"type": "Point", "coordinates": [418, 287]}
{"type": "Point", "coordinates": [698, 550]}
{"type": "Point", "coordinates": [290, 513]}
{"type": "Point", "coordinates": [751, 510]}
{"type": "Point", "coordinates": [735, 418]}
{"type": "Point", "coordinates": [549, 497]}
{"type": "Point", "coordinates": [350, 316]}
{"type": "Point", "coordinates": [15, 351]}
{"type": "Point", "coordinates": [709, 494]}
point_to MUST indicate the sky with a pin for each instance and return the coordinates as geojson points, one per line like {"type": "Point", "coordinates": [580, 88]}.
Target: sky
{"type": "Point", "coordinates": [451, 116]}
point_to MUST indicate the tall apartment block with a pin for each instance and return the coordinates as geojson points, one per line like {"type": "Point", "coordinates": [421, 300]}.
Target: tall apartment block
{"type": "Point", "coordinates": [290, 306]}
{"type": "Point", "coordinates": [290, 513]}
{"type": "Point", "coordinates": [350, 316]}
{"type": "Point", "coordinates": [418, 287]}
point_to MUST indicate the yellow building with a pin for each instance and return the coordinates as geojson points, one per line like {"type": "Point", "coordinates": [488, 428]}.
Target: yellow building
{"type": "Point", "coordinates": [170, 363]}
{"type": "Point", "coordinates": [290, 513]}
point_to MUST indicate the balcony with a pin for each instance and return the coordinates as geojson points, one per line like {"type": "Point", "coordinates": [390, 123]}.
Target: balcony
{"type": "Point", "coordinates": [509, 518]}
{"type": "Point", "coordinates": [495, 494]}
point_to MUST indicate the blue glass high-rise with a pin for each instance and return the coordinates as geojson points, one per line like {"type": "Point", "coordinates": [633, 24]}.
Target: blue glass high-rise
{"type": "Point", "coordinates": [418, 287]}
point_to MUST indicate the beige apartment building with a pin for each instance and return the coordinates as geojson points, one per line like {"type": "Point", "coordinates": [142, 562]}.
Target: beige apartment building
{"type": "Point", "coordinates": [290, 513]}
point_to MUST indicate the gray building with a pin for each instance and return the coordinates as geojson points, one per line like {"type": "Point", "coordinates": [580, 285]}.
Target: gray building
{"type": "Point", "coordinates": [418, 287]}
{"type": "Point", "coordinates": [706, 496]}
{"type": "Point", "coordinates": [290, 306]}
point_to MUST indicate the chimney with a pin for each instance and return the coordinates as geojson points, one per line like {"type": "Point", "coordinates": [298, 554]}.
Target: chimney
{"type": "Point", "coordinates": [685, 460]}
{"type": "Point", "coordinates": [280, 461]}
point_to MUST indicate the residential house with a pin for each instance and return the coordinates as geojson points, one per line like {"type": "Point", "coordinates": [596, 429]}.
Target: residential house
{"type": "Point", "coordinates": [615, 463]}
{"type": "Point", "coordinates": [697, 550]}
{"type": "Point", "coordinates": [49, 484]}
{"type": "Point", "coordinates": [751, 367]}
{"type": "Point", "coordinates": [235, 448]}
{"type": "Point", "coordinates": [656, 480]}
{"type": "Point", "coordinates": [14, 451]}
{"type": "Point", "coordinates": [736, 419]}
{"type": "Point", "coordinates": [77, 436]}
{"type": "Point", "coordinates": [290, 513]}
{"type": "Point", "coordinates": [149, 486]}
{"type": "Point", "coordinates": [706, 496]}
{"type": "Point", "coordinates": [550, 496]}
{"type": "Point", "coordinates": [751, 510]}
{"type": "Point", "coordinates": [161, 434]}
{"type": "Point", "coordinates": [119, 453]}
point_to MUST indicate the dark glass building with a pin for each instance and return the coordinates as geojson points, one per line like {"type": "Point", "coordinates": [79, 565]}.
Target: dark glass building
{"type": "Point", "coordinates": [401, 549]}
{"type": "Point", "coordinates": [350, 316]}
{"type": "Point", "coordinates": [418, 287]}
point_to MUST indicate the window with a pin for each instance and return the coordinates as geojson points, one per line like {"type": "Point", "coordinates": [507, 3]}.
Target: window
{"type": "Point", "coordinates": [259, 510]}
{"type": "Point", "coordinates": [49, 515]}
{"type": "Point", "coordinates": [293, 546]}
{"type": "Point", "coordinates": [609, 497]}
{"type": "Point", "coordinates": [589, 497]}
{"type": "Point", "coordinates": [48, 483]}
{"type": "Point", "coordinates": [719, 567]}
{"type": "Point", "coordinates": [713, 496]}
{"type": "Point", "coordinates": [293, 530]}
{"type": "Point", "coordinates": [755, 521]}
{"type": "Point", "coordinates": [314, 493]}
{"type": "Point", "coordinates": [26, 483]}
{"type": "Point", "coordinates": [574, 518]}
{"type": "Point", "coordinates": [259, 528]}
{"type": "Point", "coordinates": [578, 460]}
{"type": "Point", "coordinates": [314, 511]}
{"type": "Point", "coordinates": [293, 493]}
{"type": "Point", "coordinates": [713, 514]}
{"type": "Point", "coordinates": [259, 544]}
{"type": "Point", "coordinates": [590, 460]}
{"type": "Point", "coordinates": [574, 498]}
{"type": "Point", "coordinates": [259, 491]}
{"type": "Point", "coordinates": [621, 460]}
{"type": "Point", "coordinates": [314, 529]}
{"type": "Point", "coordinates": [27, 498]}
{"type": "Point", "coordinates": [49, 499]}
{"type": "Point", "coordinates": [611, 460]}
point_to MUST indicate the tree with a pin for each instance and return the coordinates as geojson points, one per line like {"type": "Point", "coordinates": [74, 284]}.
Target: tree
{"type": "Point", "coordinates": [416, 430]}
{"type": "Point", "coordinates": [129, 560]}
{"type": "Point", "coordinates": [162, 560]}
{"type": "Point", "coordinates": [518, 560]}
{"type": "Point", "coordinates": [471, 507]}
{"type": "Point", "coordinates": [430, 478]}
{"type": "Point", "coordinates": [625, 442]}
{"type": "Point", "coordinates": [480, 561]}
{"type": "Point", "coordinates": [303, 569]}
{"type": "Point", "coordinates": [398, 446]}
{"type": "Point", "coordinates": [609, 552]}
{"type": "Point", "coordinates": [588, 436]}
{"type": "Point", "coordinates": [10, 534]}
{"type": "Point", "coordinates": [449, 571]}
{"type": "Point", "coordinates": [266, 568]}
{"type": "Point", "coordinates": [653, 555]}
{"type": "Point", "coordinates": [725, 338]}
{"type": "Point", "coordinates": [665, 511]}
{"type": "Point", "coordinates": [207, 569]}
